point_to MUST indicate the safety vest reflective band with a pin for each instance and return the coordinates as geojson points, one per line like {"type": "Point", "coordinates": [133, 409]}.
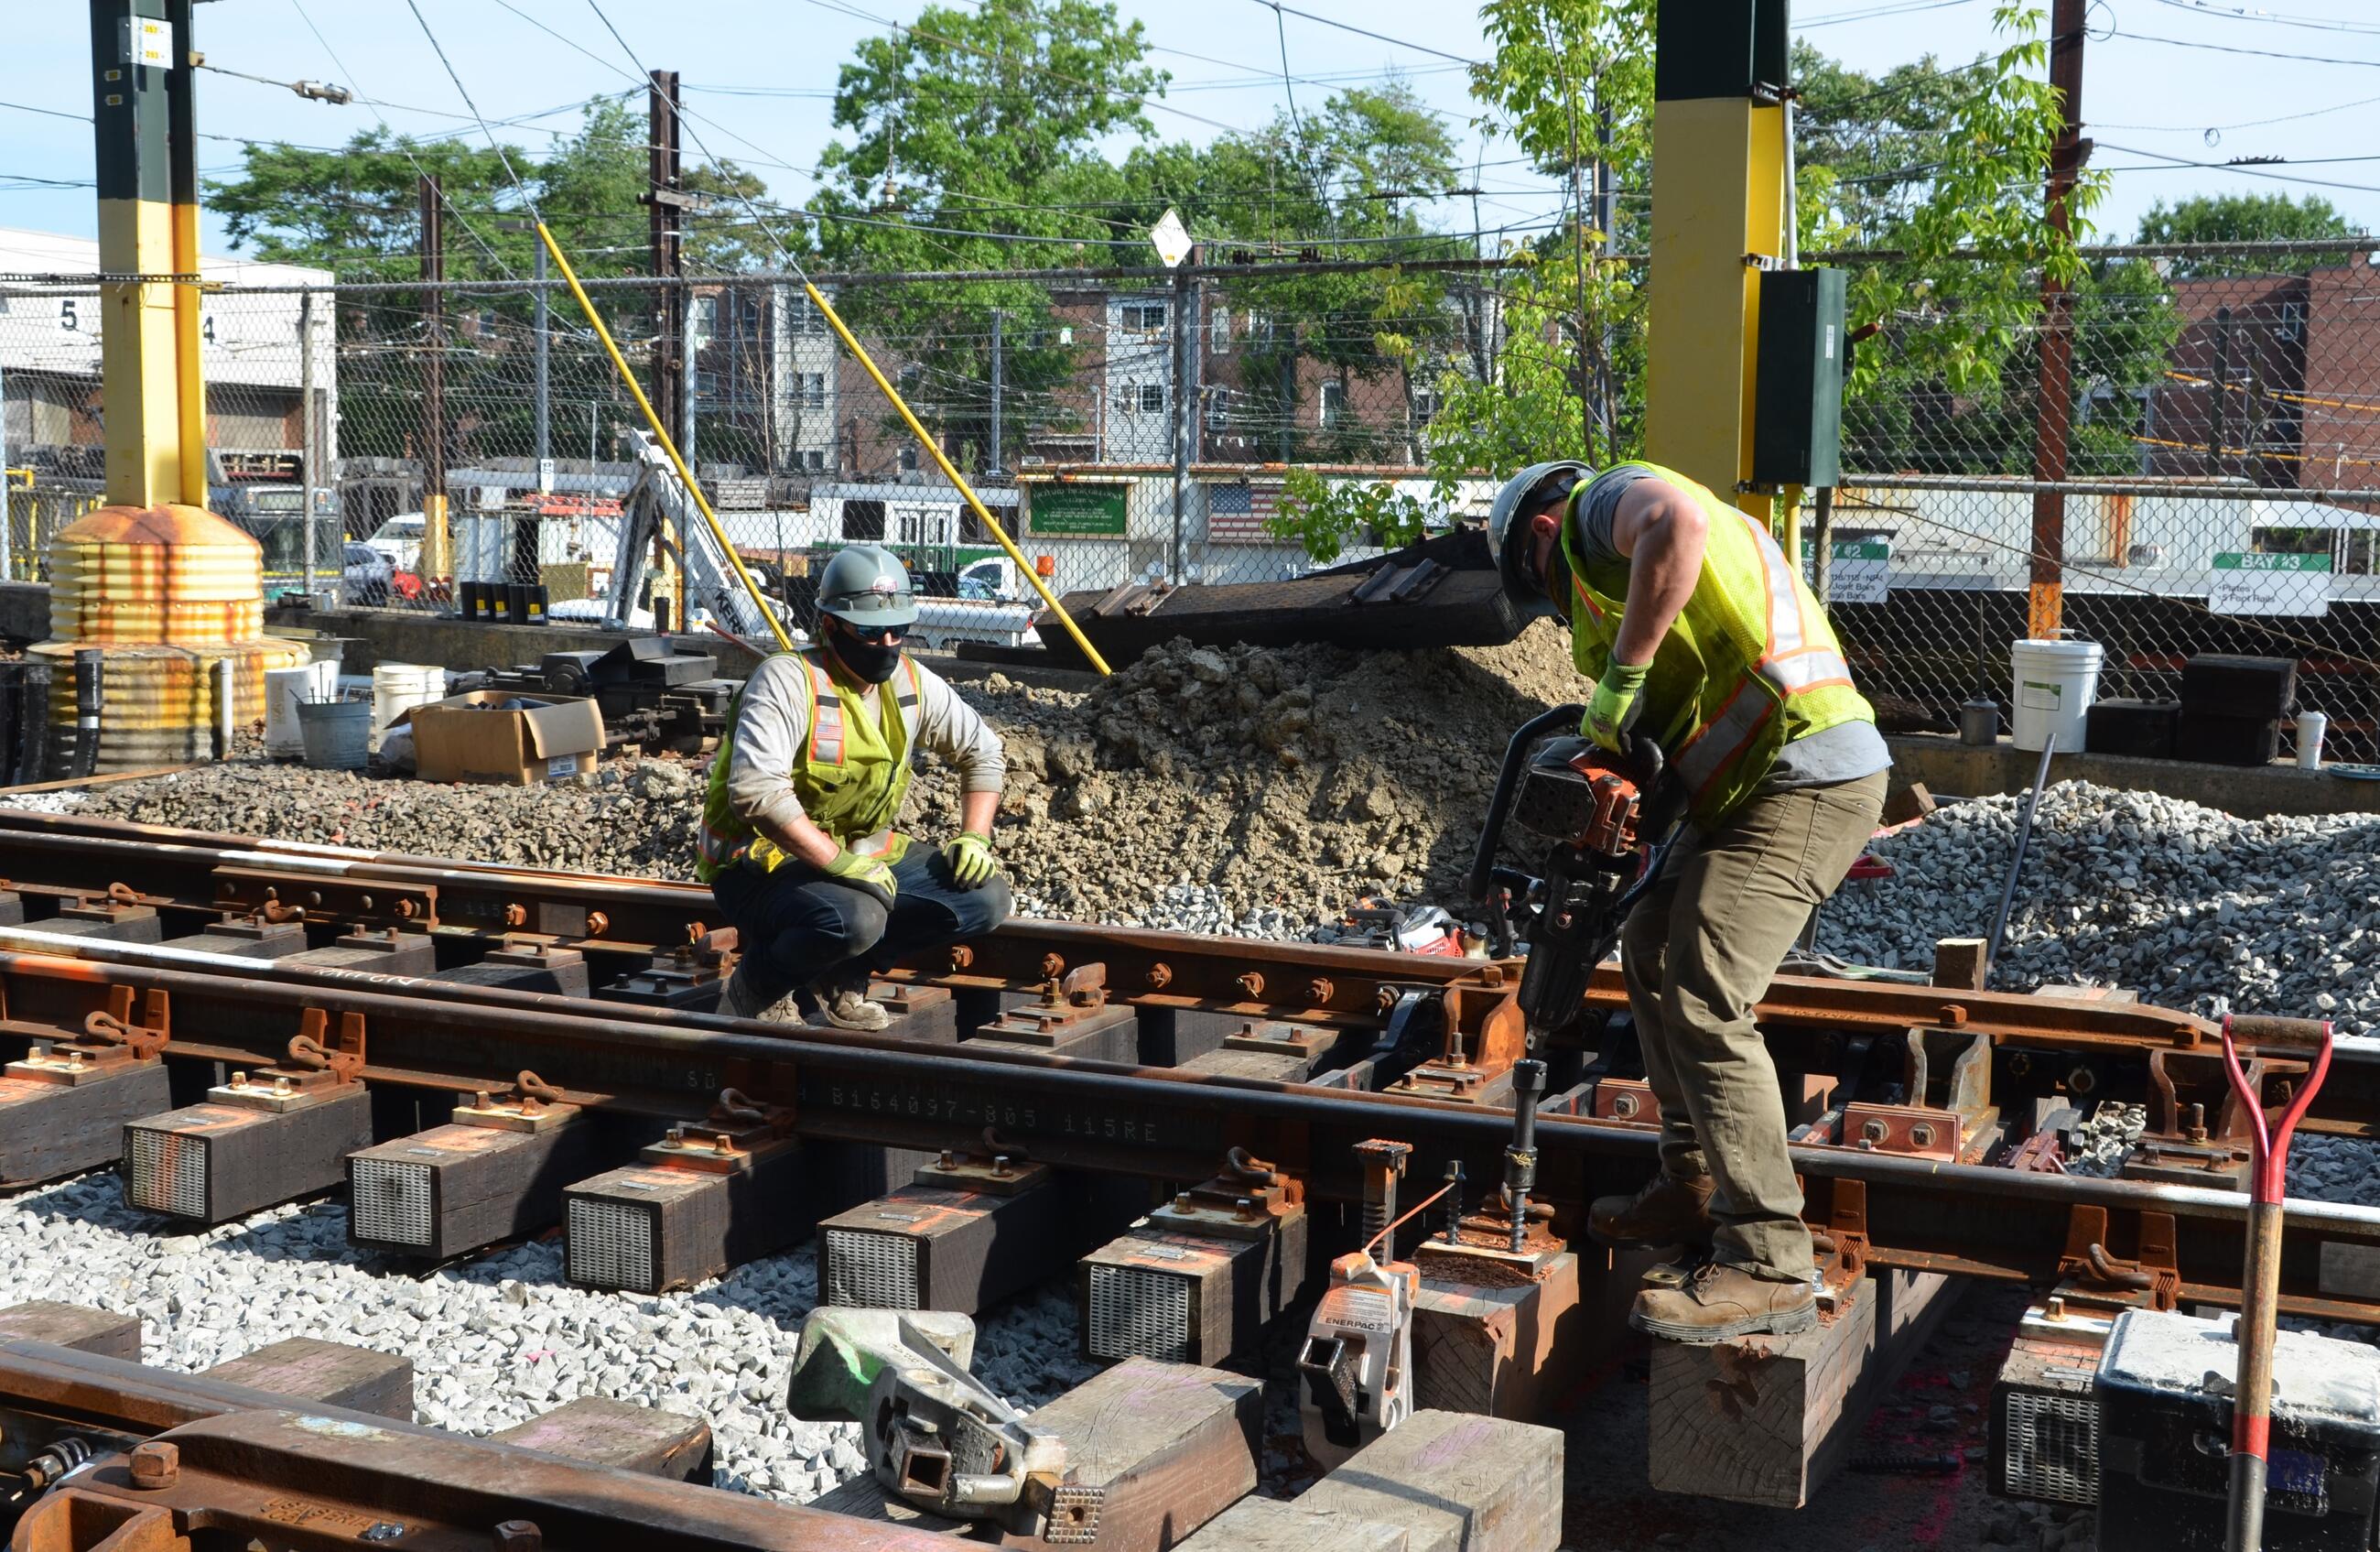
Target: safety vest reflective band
{"type": "Point", "coordinates": [1749, 664]}
{"type": "Point", "coordinates": [855, 807]}
{"type": "Point", "coordinates": [826, 715]}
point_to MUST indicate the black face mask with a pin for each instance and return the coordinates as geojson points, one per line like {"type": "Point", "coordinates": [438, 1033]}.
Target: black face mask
{"type": "Point", "coordinates": [872, 662]}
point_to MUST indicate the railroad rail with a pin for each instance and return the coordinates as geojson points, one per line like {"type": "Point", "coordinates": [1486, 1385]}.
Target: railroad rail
{"type": "Point", "coordinates": [2085, 1047]}
{"type": "Point", "coordinates": [140, 1458]}
{"type": "Point", "coordinates": [1940, 1169]}
{"type": "Point", "coordinates": [1878, 1208]}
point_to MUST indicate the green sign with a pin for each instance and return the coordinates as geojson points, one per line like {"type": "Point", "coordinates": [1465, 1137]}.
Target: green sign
{"type": "Point", "coordinates": [2232, 561]}
{"type": "Point", "coordinates": [1076, 511]}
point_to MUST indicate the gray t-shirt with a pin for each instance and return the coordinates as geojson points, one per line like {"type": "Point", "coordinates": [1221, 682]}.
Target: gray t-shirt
{"type": "Point", "coordinates": [1843, 752]}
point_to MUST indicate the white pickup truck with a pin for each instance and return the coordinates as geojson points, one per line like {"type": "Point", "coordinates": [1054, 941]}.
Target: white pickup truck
{"type": "Point", "coordinates": [994, 605]}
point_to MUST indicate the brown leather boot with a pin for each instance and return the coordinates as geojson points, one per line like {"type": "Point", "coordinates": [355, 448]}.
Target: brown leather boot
{"type": "Point", "coordinates": [1720, 1301]}
{"type": "Point", "coordinates": [1669, 1211]}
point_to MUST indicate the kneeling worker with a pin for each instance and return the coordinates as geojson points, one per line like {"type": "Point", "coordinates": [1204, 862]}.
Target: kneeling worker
{"type": "Point", "coordinates": [797, 838]}
{"type": "Point", "coordinates": [1694, 628]}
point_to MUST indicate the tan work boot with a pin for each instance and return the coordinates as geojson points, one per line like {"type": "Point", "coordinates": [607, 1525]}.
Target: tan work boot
{"type": "Point", "coordinates": [738, 1000]}
{"type": "Point", "coordinates": [1720, 1301]}
{"type": "Point", "coordinates": [843, 1002]}
{"type": "Point", "coordinates": [1669, 1211]}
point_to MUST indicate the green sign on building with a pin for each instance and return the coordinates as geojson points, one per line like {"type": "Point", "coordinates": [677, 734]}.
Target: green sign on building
{"type": "Point", "coordinates": [1076, 511]}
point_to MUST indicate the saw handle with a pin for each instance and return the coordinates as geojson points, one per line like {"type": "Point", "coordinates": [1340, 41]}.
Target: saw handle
{"type": "Point", "coordinates": [2270, 1144]}
{"type": "Point", "coordinates": [1508, 786]}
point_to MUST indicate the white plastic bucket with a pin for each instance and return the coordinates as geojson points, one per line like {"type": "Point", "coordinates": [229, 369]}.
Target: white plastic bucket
{"type": "Point", "coordinates": [397, 687]}
{"type": "Point", "coordinates": [284, 688]}
{"type": "Point", "coordinates": [2055, 682]}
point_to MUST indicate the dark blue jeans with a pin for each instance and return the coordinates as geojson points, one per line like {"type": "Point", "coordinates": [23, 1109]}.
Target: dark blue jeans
{"type": "Point", "coordinates": [797, 923]}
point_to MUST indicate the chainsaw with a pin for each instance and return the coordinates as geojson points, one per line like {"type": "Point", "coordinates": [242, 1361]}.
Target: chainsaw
{"type": "Point", "coordinates": [1621, 814]}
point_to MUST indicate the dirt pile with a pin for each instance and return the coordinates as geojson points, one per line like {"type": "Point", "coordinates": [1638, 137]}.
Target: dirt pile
{"type": "Point", "coordinates": [1266, 789]}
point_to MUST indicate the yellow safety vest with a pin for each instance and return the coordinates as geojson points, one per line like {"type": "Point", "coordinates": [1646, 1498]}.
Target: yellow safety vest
{"type": "Point", "coordinates": [1750, 664]}
{"type": "Point", "coordinates": [850, 779]}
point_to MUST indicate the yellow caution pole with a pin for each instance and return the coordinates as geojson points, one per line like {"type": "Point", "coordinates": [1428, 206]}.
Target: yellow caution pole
{"type": "Point", "coordinates": [925, 440]}
{"type": "Point", "coordinates": [570, 277]}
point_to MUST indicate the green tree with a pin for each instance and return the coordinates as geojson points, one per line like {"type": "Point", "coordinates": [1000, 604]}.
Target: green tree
{"type": "Point", "coordinates": [2246, 219]}
{"type": "Point", "coordinates": [975, 136]}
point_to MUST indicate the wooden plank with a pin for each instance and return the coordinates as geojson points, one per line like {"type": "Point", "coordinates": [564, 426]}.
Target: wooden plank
{"type": "Point", "coordinates": [74, 1326]}
{"type": "Point", "coordinates": [1173, 1443]}
{"type": "Point", "coordinates": [610, 1433]}
{"type": "Point", "coordinates": [69, 784]}
{"type": "Point", "coordinates": [1454, 1483]}
{"type": "Point", "coordinates": [331, 1373]}
{"type": "Point", "coordinates": [1767, 1420]}
{"type": "Point", "coordinates": [1269, 1525]}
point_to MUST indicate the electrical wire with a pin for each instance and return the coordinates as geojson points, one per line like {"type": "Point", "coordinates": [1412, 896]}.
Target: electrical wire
{"type": "Point", "coordinates": [1366, 32]}
{"type": "Point", "coordinates": [2234, 48]}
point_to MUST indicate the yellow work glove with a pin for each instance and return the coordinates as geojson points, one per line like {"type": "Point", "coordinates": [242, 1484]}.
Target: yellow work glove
{"type": "Point", "coordinates": [972, 863]}
{"type": "Point", "coordinates": [869, 876]}
{"type": "Point", "coordinates": [1613, 706]}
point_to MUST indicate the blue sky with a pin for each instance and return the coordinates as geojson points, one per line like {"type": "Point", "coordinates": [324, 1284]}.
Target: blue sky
{"type": "Point", "coordinates": [759, 74]}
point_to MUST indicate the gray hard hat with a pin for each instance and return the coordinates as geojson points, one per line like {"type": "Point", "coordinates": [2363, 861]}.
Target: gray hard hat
{"type": "Point", "coordinates": [867, 584]}
{"type": "Point", "coordinates": [1508, 539]}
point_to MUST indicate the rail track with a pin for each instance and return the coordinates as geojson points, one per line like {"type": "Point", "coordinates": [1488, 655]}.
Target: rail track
{"type": "Point", "coordinates": [1943, 1171]}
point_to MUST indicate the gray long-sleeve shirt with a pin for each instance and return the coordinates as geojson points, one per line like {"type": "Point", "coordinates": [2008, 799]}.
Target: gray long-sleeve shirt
{"type": "Point", "coordinates": [772, 730]}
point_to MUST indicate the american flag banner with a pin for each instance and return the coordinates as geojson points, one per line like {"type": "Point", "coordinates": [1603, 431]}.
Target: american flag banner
{"type": "Point", "coordinates": [1236, 513]}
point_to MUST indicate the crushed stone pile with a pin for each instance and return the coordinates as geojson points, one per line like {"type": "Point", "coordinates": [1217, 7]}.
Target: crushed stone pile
{"type": "Point", "coordinates": [637, 817]}
{"type": "Point", "coordinates": [2190, 906]}
{"type": "Point", "coordinates": [1200, 789]}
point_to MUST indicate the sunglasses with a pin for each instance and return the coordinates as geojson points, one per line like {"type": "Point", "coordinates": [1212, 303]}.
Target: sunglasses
{"type": "Point", "coordinates": [877, 635]}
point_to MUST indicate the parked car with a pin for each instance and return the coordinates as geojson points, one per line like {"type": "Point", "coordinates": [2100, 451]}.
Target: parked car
{"type": "Point", "coordinates": [400, 540]}
{"type": "Point", "coordinates": [370, 576]}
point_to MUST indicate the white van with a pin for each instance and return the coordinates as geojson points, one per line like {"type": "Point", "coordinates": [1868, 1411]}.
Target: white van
{"type": "Point", "coordinates": [400, 540]}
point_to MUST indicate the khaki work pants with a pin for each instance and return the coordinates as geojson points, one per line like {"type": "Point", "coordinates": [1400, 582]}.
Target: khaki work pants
{"type": "Point", "coordinates": [1698, 952]}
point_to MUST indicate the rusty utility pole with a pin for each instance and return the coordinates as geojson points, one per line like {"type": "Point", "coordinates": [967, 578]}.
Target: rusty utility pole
{"type": "Point", "coordinates": [436, 560]}
{"type": "Point", "coordinates": [2054, 415]}
{"type": "Point", "coordinates": [665, 203]}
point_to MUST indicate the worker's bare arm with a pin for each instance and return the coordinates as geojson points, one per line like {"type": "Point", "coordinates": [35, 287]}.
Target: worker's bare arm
{"type": "Point", "coordinates": [1661, 531]}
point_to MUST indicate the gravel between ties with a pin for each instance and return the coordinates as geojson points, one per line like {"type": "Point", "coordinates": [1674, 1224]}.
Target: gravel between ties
{"type": "Point", "coordinates": [498, 1339]}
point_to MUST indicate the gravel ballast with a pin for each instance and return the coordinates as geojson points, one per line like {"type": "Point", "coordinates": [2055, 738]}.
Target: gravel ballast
{"type": "Point", "coordinates": [495, 1340]}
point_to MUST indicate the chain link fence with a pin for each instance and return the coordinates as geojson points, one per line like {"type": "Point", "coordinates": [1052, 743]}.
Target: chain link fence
{"type": "Point", "coordinates": [2210, 481]}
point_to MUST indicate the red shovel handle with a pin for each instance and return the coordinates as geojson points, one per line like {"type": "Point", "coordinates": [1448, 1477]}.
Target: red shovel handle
{"type": "Point", "coordinates": [2271, 1145]}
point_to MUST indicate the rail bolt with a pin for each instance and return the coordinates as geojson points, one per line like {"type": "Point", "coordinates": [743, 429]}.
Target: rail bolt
{"type": "Point", "coordinates": [156, 1464]}
{"type": "Point", "coordinates": [1491, 975]}
{"type": "Point", "coordinates": [1052, 966]}
{"type": "Point", "coordinates": [961, 955]}
{"type": "Point", "coordinates": [2081, 1081]}
{"type": "Point", "coordinates": [518, 1535]}
{"type": "Point", "coordinates": [1874, 1131]}
{"type": "Point", "coordinates": [1160, 975]}
{"type": "Point", "coordinates": [1318, 992]}
{"type": "Point", "coordinates": [1921, 1135]}
{"type": "Point", "coordinates": [515, 915]}
{"type": "Point", "coordinates": [1252, 984]}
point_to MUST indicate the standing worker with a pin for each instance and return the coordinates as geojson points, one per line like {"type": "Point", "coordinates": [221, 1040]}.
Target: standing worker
{"type": "Point", "coordinates": [1686, 616]}
{"type": "Point", "coordinates": [797, 838]}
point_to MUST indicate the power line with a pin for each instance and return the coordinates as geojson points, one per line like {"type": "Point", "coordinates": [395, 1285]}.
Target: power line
{"type": "Point", "coordinates": [1901, 8]}
{"type": "Point", "coordinates": [1366, 32]}
{"type": "Point", "coordinates": [2233, 13]}
{"type": "Point", "coordinates": [2234, 48]}
{"type": "Point", "coordinates": [2244, 124]}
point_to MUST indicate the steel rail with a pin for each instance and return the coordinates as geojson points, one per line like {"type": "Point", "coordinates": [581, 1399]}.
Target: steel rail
{"type": "Point", "coordinates": [1169, 1125]}
{"type": "Point", "coordinates": [1146, 968]}
{"type": "Point", "coordinates": [249, 1463]}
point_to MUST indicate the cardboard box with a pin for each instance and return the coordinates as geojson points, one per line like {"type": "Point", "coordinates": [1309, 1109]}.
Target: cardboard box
{"type": "Point", "coordinates": [462, 738]}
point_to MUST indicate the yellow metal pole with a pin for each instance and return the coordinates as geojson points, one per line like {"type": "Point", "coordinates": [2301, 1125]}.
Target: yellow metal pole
{"type": "Point", "coordinates": [1719, 215]}
{"type": "Point", "coordinates": [926, 440]}
{"type": "Point", "coordinates": [619, 363]}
